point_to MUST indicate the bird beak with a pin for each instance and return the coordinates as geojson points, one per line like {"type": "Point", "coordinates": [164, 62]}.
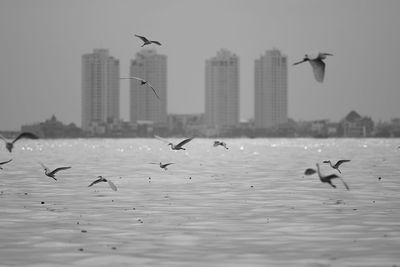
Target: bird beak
{"type": "Point", "coordinates": [299, 62]}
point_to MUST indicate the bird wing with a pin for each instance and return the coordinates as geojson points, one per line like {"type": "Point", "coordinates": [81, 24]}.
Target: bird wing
{"type": "Point", "coordinates": [162, 139]}
{"type": "Point", "coordinates": [309, 171]}
{"type": "Point", "coordinates": [167, 164]}
{"type": "Point", "coordinates": [149, 85]}
{"type": "Point", "coordinates": [4, 162]}
{"type": "Point", "coordinates": [59, 169]}
{"type": "Point", "coordinates": [144, 39]}
{"type": "Point", "coordinates": [216, 143]}
{"type": "Point", "coordinates": [25, 135]}
{"type": "Point", "coordinates": [43, 166]}
{"type": "Point", "coordinates": [96, 182]}
{"type": "Point", "coordinates": [132, 77]}
{"type": "Point", "coordinates": [341, 161]}
{"type": "Point", "coordinates": [331, 176]}
{"type": "Point", "coordinates": [2, 137]}
{"type": "Point", "coordinates": [184, 142]}
{"type": "Point", "coordinates": [318, 67]}
{"type": "Point", "coordinates": [112, 185]}
{"type": "Point", "coordinates": [156, 42]}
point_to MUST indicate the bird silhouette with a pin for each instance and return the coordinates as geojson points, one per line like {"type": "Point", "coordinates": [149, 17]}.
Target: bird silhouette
{"type": "Point", "coordinates": [179, 146]}
{"type": "Point", "coordinates": [317, 64]}
{"type": "Point", "coordinates": [143, 82]}
{"type": "Point", "coordinates": [52, 173]}
{"type": "Point", "coordinates": [4, 162]}
{"type": "Point", "coordinates": [220, 143]}
{"type": "Point", "coordinates": [147, 41]}
{"type": "Point", "coordinates": [328, 178]}
{"type": "Point", "coordinates": [163, 166]}
{"type": "Point", "coordinates": [10, 145]}
{"type": "Point", "coordinates": [102, 179]}
{"type": "Point", "coordinates": [336, 166]}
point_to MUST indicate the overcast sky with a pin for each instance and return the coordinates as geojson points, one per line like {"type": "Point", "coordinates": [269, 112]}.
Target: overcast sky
{"type": "Point", "coordinates": [42, 42]}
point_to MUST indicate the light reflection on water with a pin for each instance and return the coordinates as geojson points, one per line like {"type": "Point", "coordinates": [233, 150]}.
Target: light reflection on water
{"type": "Point", "coordinates": [249, 205]}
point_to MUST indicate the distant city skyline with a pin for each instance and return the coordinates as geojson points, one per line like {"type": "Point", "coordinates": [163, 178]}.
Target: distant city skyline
{"type": "Point", "coordinates": [42, 42]}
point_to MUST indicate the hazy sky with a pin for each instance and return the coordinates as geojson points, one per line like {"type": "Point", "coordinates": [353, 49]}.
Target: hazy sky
{"type": "Point", "coordinates": [42, 42]}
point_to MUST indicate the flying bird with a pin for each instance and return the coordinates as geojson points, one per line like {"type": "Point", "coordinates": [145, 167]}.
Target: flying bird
{"type": "Point", "coordinates": [336, 166]}
{"type": "Point", "coordinates": [4, 162]}
{"type": "Point", "coordinates": [102, 179]}
{"type": "Point", "coordinates": [147, 41]}
{"type": "Point", "coordinates": [10, 145]}
{"type": "Point", "coordinates": [220, 143]}
{"type": "Point", "coordinates": [163, 166]}
{"type": "Point", "coordinates": [317, 64]}
{"type": "Point", "coordinates": [52, 173]}
{"type": "Point", "coordinates": [179, 146]}
{"type": "Point", "coordinates": [144, 82]}
{"type": "Point", "coordinates": [328, 178]}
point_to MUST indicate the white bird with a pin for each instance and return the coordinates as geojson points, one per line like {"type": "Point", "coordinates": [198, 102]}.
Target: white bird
{"type": "Point", "coordinates": [325, 179]}
{"type": "Point", "coordinates": [4, 162]}
{"type": "Point", "coordinates": [10, 145]}
{"type": "Point", "coordinates": [163, 166]}
{"type": "Point", "coordinates": [336, 166]}
{"type": "Point", "coordinates": [220, 143]}
{"type": "Point", "coordinates": [143, 82]}
{"type": "Point", "coordinates": [102, 179]}
{"type": "Point", "coordinates": [317, 64]}
{"type": "Point", "coordinates": [52, 173]}
{"type": "Point", "coordinates": [179, 146]}
{"type": "Point", "coordinates": [147, 41]}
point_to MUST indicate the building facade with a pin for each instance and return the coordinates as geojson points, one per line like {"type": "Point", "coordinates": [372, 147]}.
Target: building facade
{"type": "Point", "coordinates": [270, 90]}
{"type": "Point", "coordinates": [144, 104]}
{"type": "Point", "coordinates": [100, 88]}
{"type": "Point", "coordinates": [222, 90]}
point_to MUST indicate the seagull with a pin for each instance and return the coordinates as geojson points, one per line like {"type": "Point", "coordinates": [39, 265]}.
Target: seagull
{"type": "Point", "coordinates": [10, 145]}
{"type": "Point", "coordinates": [317, 64]}
{"type": "Point", "coordinates": [53, 172]}
{"type": "Point", "coordinates": [102, 179]}
{"type": "Point", "coordinates": [4, 162]}
{"type": "Point", "coordinates": [328, 178]}
{"type": "Point", "coordinates": [175, 147]}
{"type": "Point", "coordinates": [147, 41]}
{"type": "Point", "coordinates": [144, 82]}
{"type": "Point", "coordinates": [163, 166]}
{"type": "Point", "coordinates": [336, 166]}
{"type": "Point", "coordinates": [220, 143]}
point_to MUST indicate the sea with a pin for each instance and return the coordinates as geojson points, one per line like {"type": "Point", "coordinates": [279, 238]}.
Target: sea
{"type": "Point", "coordinates": [248, 205]}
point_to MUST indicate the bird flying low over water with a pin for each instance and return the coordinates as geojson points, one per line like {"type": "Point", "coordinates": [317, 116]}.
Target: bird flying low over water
{"type": "Point", "coordinates": [325, 179]}
{"type": "Point", "coordinates": [4, 162]}
{"type": "Point", "coordinates": [147, 41]}
{"type": "Point", "coordinates": [336, 166]}
{"type": "Point", "coordinates": [143, 82]}
{"type": "Point", "coordinates": [10, 145]}
{"type": "Point", "coordinates": [175, 147]}
{"type": "Point", "coordinates": [102, 179]}
{"type": "Point", "coordinates": [220, 143]}
{"type": "Point", "coordinates": [52, 173]}
{"type": "Point", "coordinates": [317, 64]}
{"type": "Point", "coordinates": [163, 166]}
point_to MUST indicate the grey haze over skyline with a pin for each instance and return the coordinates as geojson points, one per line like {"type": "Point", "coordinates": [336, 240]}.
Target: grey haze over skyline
{"type": "Point", "coordinates": [43, 41]}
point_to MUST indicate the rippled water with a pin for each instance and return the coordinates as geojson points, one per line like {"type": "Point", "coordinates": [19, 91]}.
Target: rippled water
{"type": "Point", "coordinates": [246, 206]}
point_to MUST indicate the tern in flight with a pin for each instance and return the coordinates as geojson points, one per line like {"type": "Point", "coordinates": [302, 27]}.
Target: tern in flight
{"type": "Point", "coordinates": [4, 162]}
{"type": "Point", "coordinates": [144, 82]}
{"type": "Point", "coordinates": [325, 179]}
{"type": "Point", "coordinates": [147, 41]}
{"type": "Point", "coordinates": [10, 145]}
{"type": "Point", "coordinates": [220, 143]}
{"type": "Point", "coordinates": [175, 147]}
{"type": "Point", "coordinates": [102, 179]}
{"type": "Point", "coordinates": [317, 64]}
{"type": "Point", "coordinates": [163, 166]}
{"type": "Point", "coordinates": [53, 172]}
{"type": "Point", "coordinates": [336, 166]}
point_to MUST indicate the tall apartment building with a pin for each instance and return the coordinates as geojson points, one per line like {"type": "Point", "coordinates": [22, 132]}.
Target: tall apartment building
{"type": "Point", "coordinates": [144, 105]}
{"type": "Point", "coordinates": [222, 90]}
{"type": "Point", "coordinates": [100, 88]}
{"type": "Point", "coordinates": [270, 90]}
